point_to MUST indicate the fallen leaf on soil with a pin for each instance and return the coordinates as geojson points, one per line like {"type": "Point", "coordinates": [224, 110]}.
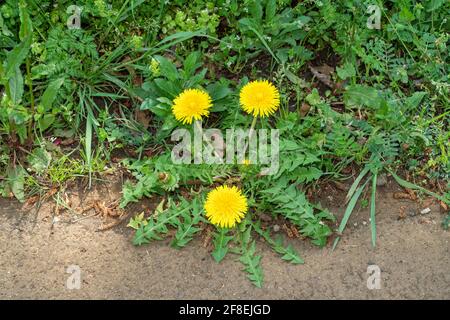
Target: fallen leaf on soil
{"type": "Point", "coordinates": [444, 206]}
{"type": "Point", "coordinates": [304, 109]}
{"type": "Point", "coordinates": [347, 170]}
{"type": "Point", "coordinates": [340, 185]}
{"type": "Point", "coordinates": [143, 118]}
{"type": "Point", "coordinates": [427, 203]}
{"type": "Point", "coordinates": [105, 211]}
{"type": "Point", "coordinates": [400, 195]}
{"type": "Point", "coordinates": [51, 192]}
{"type": "Point", "coordinates": [112, 224]}
{"type": "Point", "coordinates": [412, 194]}
{"type": "Point", "coordinates": [67, 142]}
{"type": "Point", "coordinates": [207, 239]}
{"type": "Point", "coordinates": [291, 231]}
{"type": "Point", "coordinates": [402, 214]}
{"type": "Point", "coordinates": [265, 217]}
{"type": "Point", "coordinates": [30, 202]}
{"type": "Point", "coordinates": [409, 194]}
{"type": "Point", "coordinates": [425, 221]}
{"type": "Point", "coordinates": [287, 230]}
{"type": "Point", "coordinates": [295, 231]}
{"type": "Point", "coordinates": [137, 81]}
{"type": "Point", "coordinates": [309, 194]}
{"type": "Point", "coordinates": [113, 211]}
{"type": "Point", "coordinates": [322, 73]}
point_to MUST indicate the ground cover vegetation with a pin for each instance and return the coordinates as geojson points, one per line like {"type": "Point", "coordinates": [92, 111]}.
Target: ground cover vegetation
{"type": "Point", "coordinates": [97, 86]}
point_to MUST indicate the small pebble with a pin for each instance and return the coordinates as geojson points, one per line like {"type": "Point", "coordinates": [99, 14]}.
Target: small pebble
{"type": "Point", "coordinates": [412, 213]}
{"type": "Point", "coordinates": [364, 223]}
{"type": "Point", "coordinates": [425, 211]}
{"type": "Point", "coordinates": [276, 228]}
{"type": "Point", "coordinates": [381, 180]}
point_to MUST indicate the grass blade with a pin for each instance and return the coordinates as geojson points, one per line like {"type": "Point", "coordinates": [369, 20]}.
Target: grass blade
{"type": "Point", "coordinates": [88, 146]}
{"type": "Point", "coordinates": [373, 226]}
{"type": "Point", "coordinates": [409, 185]}
{"type": "Point", "coordinates": [348, 212]}
{"type": "Point", "coordinates": [355, 183]}
{"type": "Point", "coordinates": [265, 44]}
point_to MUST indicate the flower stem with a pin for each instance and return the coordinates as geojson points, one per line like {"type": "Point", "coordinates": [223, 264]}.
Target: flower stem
{"type": "Point", "coordinates": [250, 134]}
{"type": "Point", "coordinates": [197, 124]}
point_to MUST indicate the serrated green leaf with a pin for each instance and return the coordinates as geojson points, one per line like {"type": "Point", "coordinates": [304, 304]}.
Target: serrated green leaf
{"type": "Point", "coordinates": [252, 263]}
{"type": "Point", "coordinates": [434, 4]}
{"type": "Point", "coordinates": [137, 221]}
{"type": "Point", "coordinates": [288, 253]}
{"type": "Point", "coordinates": [307, 174]}
{"type": "Point", "coordinates": [346, 71]}
{"type": "Point", "coordinates": [292, 256]}
{"type": "Point", "coordinates": [220, 241]}
{"type": "Point", "coordinates": [413, 102]}
{"type": "Point", "coordinates": [360, 95]}
{"type": "Point", "coordinates": [187, 223]}
{"type": "Point", "coordinates": [157, 226]}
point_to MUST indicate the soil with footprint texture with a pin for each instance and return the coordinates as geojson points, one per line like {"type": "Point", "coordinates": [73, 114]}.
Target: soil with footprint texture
{"type": "Point", "coordinates": [37, 246]}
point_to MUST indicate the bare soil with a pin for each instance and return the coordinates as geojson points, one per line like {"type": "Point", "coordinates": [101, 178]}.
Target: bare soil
{"type": "Point", "coordinates": [37, 246]}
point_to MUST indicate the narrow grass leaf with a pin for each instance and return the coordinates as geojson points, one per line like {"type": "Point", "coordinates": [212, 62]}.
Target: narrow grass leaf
{"type": "Point", "coordinates": [409, 185]}
{"type": "Point", "coordinates": [373, 226]}
{"type": "Point", "coordinates": [89, 147]}
{"type": "Point", "coordinates": [356, 183]}
{"type": "Point", "coordinates": [348, 212]}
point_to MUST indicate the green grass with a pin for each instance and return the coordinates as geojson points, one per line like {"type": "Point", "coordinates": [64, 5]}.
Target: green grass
{"type": "Point", "coordinates": [381, 108]}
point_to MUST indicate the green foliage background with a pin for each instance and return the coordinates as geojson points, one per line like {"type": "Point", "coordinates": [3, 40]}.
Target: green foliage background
{"type": "Point", "coordinates": [383, 108]}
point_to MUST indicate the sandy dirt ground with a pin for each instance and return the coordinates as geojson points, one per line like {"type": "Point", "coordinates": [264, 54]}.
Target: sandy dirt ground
{"type": "Point", "coordinates": [36, 248]}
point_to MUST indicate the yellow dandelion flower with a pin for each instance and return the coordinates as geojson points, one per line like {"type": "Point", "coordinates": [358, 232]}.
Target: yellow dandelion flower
{"type": "Point", "coordinates": [191, 104]}
{"type": "Point", "coordinates": [246, 162]}
{"type": "Point", "coordinates": [260, 98]}
{"type": "Point", "coordinates": [225, 206]}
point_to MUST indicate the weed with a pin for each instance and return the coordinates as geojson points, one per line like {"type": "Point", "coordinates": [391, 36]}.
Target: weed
{"type": "Point", "coordinates": [349, 97]}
